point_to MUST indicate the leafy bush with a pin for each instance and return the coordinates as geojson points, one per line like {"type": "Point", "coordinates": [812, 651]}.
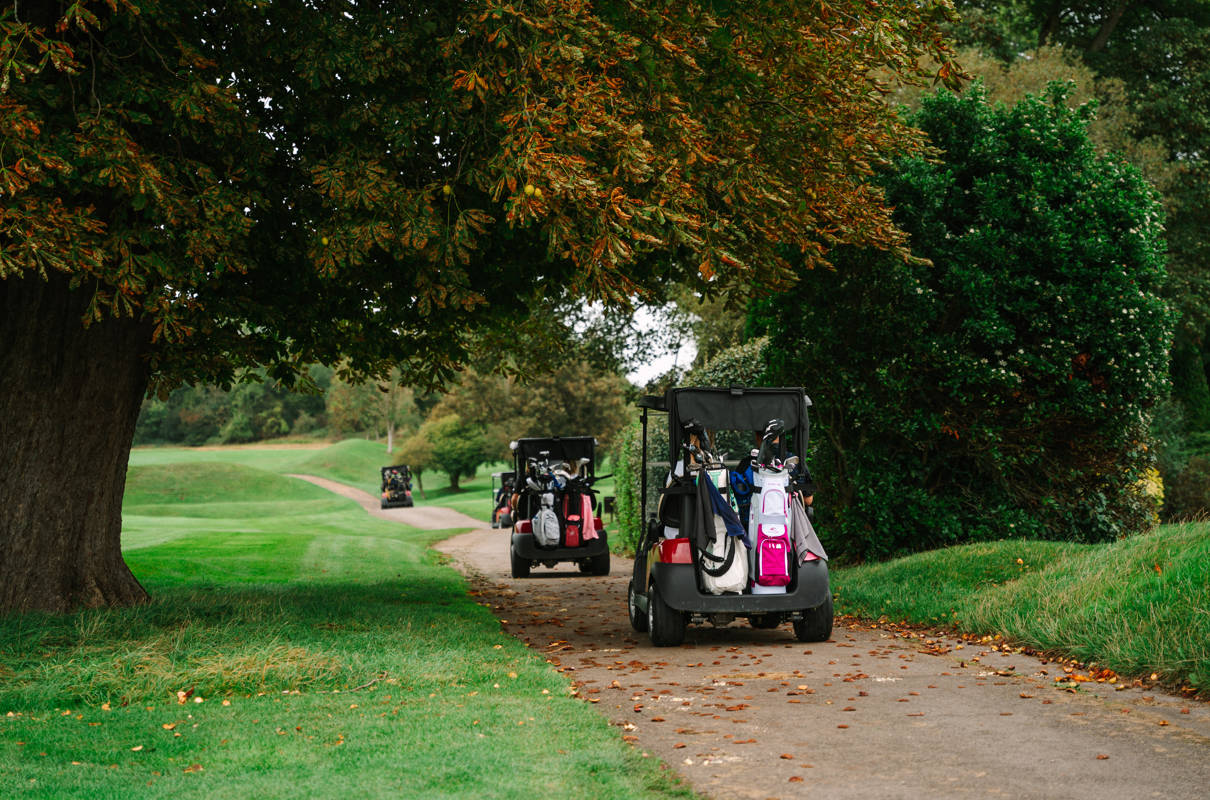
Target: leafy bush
{"type": "Point", "coordinates": [998, 384]}
{"type": "Point", "coordinates": [1187, 491]}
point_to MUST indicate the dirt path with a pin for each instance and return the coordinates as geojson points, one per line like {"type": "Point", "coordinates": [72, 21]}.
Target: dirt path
{"type": "Point", "coordinates": [432, 518]}
{"type": "Point", "coordinates": [870, 714]}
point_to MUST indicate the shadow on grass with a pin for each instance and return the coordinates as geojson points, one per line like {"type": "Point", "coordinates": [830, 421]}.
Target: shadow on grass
{"type": "Point", "coordinates": [217, 639]}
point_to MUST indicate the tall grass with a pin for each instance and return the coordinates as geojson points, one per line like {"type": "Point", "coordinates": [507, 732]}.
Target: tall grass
{"type": "Point", "coordinates": [1138, 606]}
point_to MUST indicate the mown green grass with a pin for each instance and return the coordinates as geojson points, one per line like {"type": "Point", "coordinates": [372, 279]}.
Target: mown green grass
{"type": "Point", "coordinates": [352, 661]}
{"type": "Point", "coordinates": [1138, 606]}
{"type": "Point", "coordinates": [356, 462]}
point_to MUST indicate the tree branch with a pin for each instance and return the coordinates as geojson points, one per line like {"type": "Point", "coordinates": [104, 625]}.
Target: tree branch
{"type": "Point", "coordinates": [1099, 41]}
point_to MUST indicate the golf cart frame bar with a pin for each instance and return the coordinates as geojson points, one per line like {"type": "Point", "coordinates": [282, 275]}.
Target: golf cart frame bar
{"type": "Point", "coordinates": [733, 408]}
{"type": "Point", "coordinates": [560, 448]}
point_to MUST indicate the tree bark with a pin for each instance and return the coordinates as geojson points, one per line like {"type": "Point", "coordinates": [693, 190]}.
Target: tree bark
{"type": "Point", "coordinates": [69, 399]}
{"type": "Point", "coordinates": [1051, 25]}
{"type": "Point", "coordinates": [1107, 27]}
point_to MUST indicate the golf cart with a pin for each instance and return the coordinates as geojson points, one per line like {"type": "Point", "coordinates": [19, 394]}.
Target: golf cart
{"type": "Point", "coordinates": [694, 516]}
{"type": "Point", "coordinates": [502, 491]}
{"type": "Point", "coordinates": [396, 486]}
{"type": "Point", "coordinates": [556, 517]}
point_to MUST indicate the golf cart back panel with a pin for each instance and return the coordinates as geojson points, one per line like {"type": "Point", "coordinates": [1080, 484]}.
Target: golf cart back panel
{"type": "Point", "coordinates": [696, 560]}
{"type": "Point", "coordinates": [556, 512]}
{"type": "Point", "coordinates": [396, 489]}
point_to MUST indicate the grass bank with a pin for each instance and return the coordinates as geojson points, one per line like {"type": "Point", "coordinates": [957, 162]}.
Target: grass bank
{"type": "Point", "coordinates": [294, 647]}
{"type": "Point", "coordinates": [1137, 606]}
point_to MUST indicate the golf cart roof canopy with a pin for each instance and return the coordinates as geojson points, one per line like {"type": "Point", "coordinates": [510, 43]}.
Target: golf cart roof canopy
{"type": "Point", "coordinates": [400, 468]}
{"type": "Point", "coordinates": [561, 448]}
{"type": "Point", "coordinates": [737, 408]}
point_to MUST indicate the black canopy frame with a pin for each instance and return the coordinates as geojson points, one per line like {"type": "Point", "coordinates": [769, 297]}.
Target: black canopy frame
{"type": "Point", "coordinates": [558, 448]}
{"type": "Point", "coordinates": [731, 408]}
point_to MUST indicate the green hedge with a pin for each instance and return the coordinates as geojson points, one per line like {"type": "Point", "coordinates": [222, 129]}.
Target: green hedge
{"type": "Point", "coordinates": [998, 383]}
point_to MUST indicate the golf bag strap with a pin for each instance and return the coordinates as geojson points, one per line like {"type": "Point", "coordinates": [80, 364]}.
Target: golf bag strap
{"type": "Point", "coordinates": [725, 561]}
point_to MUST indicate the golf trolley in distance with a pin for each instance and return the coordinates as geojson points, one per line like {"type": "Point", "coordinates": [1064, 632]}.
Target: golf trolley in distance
{"type": "Point", "coordinates": [558, 473]}
{"type": "Point", "coordinates": [396, 486]}
{"type": "Point", "coordinates": [502, 491]}
{"type": "Point", "coordinates": [666, 592]}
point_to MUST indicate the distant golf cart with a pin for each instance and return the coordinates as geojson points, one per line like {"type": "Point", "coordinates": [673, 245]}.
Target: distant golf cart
{"type": "Point", "coordinates": [557, 514]}
{"type": "Point", "coordinates": [679, 562]}
{"type": "Point", "coordinates": [396, 486]}
{"type": "Point", "coordinates": [502, 491]}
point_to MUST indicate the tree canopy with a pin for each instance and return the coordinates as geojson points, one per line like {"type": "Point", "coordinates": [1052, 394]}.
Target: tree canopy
{"type": "Point", "coordinates": [213, 188]}
{"type": "Point", "coordinates": [422, 169]}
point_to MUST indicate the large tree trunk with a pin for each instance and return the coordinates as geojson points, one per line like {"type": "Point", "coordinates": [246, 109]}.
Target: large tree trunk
{"type": "Point", "coordinates": [69, 399]}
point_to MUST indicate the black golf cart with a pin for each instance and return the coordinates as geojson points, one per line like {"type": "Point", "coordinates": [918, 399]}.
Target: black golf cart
{"type": "Point", "coordinates": [554, 478]}
{"type": "Point", "coordinates": [396, 486]}
{"type": "Point", "coordinates": [669, 586]}
{"type": "Point", "coordinates": [502, 491]}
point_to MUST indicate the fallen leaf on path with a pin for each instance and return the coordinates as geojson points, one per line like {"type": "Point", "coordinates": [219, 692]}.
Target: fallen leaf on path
{"type": "Point", "coordinates": [1101, 756]}
{"type": "Point", "coordinates": [787, 756]}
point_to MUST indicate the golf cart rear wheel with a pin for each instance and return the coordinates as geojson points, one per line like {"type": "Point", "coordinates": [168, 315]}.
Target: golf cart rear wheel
{"type": "Point", "coordinates": [506, 520]}
{"type": "Point", "coordinates": [520, 565]}
{"type": "Point", "coordinates": [665, 624]}
{"type": "Point", "coordinates": [638, 619]}
{"type": "Point", "coordinates": [816, 623]}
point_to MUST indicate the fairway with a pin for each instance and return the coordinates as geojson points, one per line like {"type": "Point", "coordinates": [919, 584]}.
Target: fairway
{"type": "Point", "coordinates": [294, 647]}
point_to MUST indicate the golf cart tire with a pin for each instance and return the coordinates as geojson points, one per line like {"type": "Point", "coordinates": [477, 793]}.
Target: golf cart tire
{"type": "Point", "coordinates": [765, 622]}
{"type": "Point", "coordinates": [638, 617]}
{"type": "Point", "coordinates": [816, 623]}
{"type": "Point", "coordinates": [520, 566]}
{"type": "Point", "coordinates": [665, 624]}
{"type": "Point", "coordinates": [505, 521]}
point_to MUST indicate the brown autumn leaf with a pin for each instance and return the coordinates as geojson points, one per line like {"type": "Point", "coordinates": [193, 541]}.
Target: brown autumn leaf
{"type": "Point", "coordinates": [795, 779]}
{"type": "Point", "coordinates": [168, 726]}
{"type": "Point", "coordinates": [1101, 756]}
{"type": "Point", "coordinates": [193, 768]}
{"type": "Point", "coordinates": [678, 746]}
{"type": "Point", "coordinates": [786, 756]}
